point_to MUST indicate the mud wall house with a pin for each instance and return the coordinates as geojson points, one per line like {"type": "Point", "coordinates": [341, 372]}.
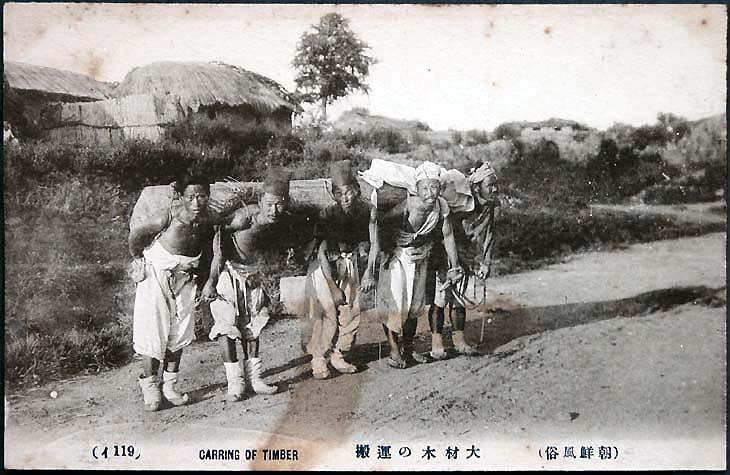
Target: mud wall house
{"type": "Point", "coordinates": [28, 90]}
{"type": "Point", "coordinates": [154, 97]}
{"type": "Point", "coordinates": [110, 121]}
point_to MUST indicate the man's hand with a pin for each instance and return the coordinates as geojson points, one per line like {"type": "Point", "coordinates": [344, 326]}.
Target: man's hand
{"type": "Point", "coordinates": [455, 274]}
{"type": "Point", "coordinates": [368, 283]}
{"type": "Point", "coordinates": [338, 296]}
{"type": "Point", "coordinates": [209, 292]}
{"type": "Point", "coordinates": [137, 270]}
{"type": "Point", "coordinates": [483, 272]}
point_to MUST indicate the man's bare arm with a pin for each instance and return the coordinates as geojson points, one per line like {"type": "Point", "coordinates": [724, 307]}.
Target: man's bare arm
{"type": "Point", "coordinates": [368, 282]}
{"type": "Point", "coordinates": [240, 220]}
{"type": "Point", "coordinates": [142, 235]}
{"type": "Point", "coordinates": [216, 266]}
{"type": "Point", "coordinates": [324, 262]}
{"type": "Point", "coordinates": [450, 243]}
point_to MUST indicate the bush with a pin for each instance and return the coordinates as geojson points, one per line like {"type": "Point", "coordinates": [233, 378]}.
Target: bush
{"type": "Point", "coordinates": [531, 238]}
{"type": "Point", "coordinates": [507, 131]}
{"type": "Point", "coordinates": [38, 357]}
{"type": "Point", "coordinates": [131, 165]}
{"type": "Point", "coordinates": [386, 139]}
{"type": "Point", "coordinates": [476, 137]}
{"type": "Point", "coordinates": [236, 142]}
{"type": "Point", "coordinates": [540, 176]}
{"type": "Point", "coordinates": [616, 174]}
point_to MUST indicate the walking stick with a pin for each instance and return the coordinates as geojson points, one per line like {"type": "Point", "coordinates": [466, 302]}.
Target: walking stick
{"type": "Point", "coordinates": [484, 299]}
{"type": "Point", "coordinates": [481, 334]}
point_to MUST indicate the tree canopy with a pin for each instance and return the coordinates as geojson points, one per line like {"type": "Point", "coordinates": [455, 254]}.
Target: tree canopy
{"type": "Point", "coordinates": [331, 62]}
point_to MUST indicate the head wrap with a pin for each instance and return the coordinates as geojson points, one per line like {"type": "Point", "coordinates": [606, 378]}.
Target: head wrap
{"type": "Point", "coordinates": [429, 171]}
{"type": "Point", "coordinates": [482, 173]}
{"type": "Point", "coordinates": [277, 182]}
{"type": "Point", "coordinates": [463, 200]}
{"type": "Point", "coordinates": [341, 173]}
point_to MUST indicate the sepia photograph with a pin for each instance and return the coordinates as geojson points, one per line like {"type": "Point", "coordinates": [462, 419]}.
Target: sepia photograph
{"type": "Point", "coordinates": [365, 236]}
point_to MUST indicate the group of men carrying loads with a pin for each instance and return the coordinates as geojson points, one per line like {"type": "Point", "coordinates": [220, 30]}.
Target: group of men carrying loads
{"type": "Point", "coordinates": [420, 252]}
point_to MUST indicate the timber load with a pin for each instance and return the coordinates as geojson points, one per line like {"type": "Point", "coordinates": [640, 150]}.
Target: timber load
{"type": "Point", "coordinates": [227, 196]}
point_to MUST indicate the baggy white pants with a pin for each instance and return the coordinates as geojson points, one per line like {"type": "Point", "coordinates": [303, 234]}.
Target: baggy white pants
{"type": "Point", "coordinates": [164, 305]}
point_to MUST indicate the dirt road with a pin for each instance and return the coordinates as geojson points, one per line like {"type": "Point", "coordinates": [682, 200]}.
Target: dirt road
{"type": "Point", "coordinates": [623, 349]}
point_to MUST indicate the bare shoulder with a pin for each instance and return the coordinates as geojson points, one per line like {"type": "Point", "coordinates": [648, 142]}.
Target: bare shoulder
{"type": "Point", "coordinates": [245, 221]}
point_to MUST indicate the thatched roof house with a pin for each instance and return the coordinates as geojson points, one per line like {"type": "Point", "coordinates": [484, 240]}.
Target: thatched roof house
{"type": "Point", "coordinates": [153, 97]}
{"type": "Point", "coordinates": [28, 89]}
{"type": "Point", "coordinates": [197, 84]}
{"type": "Point", "coordinates": [54, 84]}
{"type": "Point", "coordinates": [110, 121]}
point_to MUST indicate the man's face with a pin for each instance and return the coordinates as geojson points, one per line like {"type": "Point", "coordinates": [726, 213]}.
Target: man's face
{"type": "Point", "coordinates": [195, 198]}
{"type": "Point", "coordinates": [272, 207]}
{"type": "Point", "coordinates": [345, 196]}
{"type": "Point", "coordinates": [488, 188]}
{"type": "Point", "coordinates": [428, 190]}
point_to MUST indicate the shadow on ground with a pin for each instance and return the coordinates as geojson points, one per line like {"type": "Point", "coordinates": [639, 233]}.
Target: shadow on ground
{"type": "Point", "coordinates": [509, 324]}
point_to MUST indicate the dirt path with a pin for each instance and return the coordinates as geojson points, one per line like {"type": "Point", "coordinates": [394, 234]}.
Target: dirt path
{"type": "Point", "coordinates": [623, 349]}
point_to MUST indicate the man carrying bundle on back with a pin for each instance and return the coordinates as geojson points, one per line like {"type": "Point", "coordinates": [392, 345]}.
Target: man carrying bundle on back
{"type": "Point", "coordinates": [346, 235]}
{"type": "Point", "coordinates": [242, 307]}
{"type": "Point", "coordinates": [473, 228]}
{"type": "Point", "coordinates": [172, 248]}
{"type": "Point", "coordinates": [418, 223]}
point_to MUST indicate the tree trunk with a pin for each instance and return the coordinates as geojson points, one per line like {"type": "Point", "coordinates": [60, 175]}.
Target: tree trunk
{"type": "Point", "coordinates": [324, 109]}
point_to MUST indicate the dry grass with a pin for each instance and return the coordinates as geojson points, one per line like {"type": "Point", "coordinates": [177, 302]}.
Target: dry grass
{"type": "Point", "coordinates": [201, 84]}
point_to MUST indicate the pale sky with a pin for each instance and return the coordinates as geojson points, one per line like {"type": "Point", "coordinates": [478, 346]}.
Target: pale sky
{"type": "Point", "coordinates": [455, 66]}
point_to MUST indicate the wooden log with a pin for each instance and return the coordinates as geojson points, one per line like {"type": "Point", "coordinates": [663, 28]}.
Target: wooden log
{"type": "Point", "coordinates": [307, 193]}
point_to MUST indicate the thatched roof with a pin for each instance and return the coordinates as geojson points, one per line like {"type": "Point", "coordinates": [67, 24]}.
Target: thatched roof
{"type": "Point", "coordinates": [40, 79]}
{"type": "Point", "coordinates": [197, 84]}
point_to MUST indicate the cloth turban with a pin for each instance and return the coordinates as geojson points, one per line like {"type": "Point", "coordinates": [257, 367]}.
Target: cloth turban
{"type": "Point", "coordinates": [482, 173]}
{"type": "Point", "coordinates": [429, 171]}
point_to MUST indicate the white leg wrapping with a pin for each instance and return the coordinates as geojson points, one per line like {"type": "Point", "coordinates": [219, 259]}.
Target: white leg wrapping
{"type": "Point", "coordinates": [437, 346]}
{"type": "Point", "coordinates": [319, 368]}
{"type": "Point", "coordinates": [170, 392]}
{"type": "Point", "coordinates": [151, 393]}
{"type": "Point", "coordinates": [253, 367]}
{"type": "Point", "coordinates": [460, 344]}
{"type": "Point", "coordinates": [236, 383]}
{"type": "Point", "coordinates": [339, 363]}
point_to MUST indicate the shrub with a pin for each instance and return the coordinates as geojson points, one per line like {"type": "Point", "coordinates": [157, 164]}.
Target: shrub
{"type": "Point", "coordinates": [210, 134]}
{"type": "Point", "coordinates": [532, 238]}
{"type": "Point", "coordinates": [542, 177]}
{"type": "Point", "coordinates": [388, 140]}
{"type": "Point", "coordinates": [37, 357]}
{"type": "Point", "coordinates": [131, 165]}
{"type": "Point", "coordinates": [476, 137]}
